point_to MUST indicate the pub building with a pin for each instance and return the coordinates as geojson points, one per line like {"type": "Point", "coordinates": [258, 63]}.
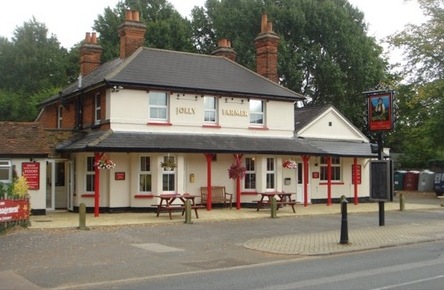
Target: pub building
{"type": "Point", "coordinates": [154, 122]}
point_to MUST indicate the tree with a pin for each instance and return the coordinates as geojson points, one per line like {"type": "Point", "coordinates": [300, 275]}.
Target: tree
{"type": "Point", "coordinates": [30, 65]}
{"type": "Point", "coordinates": [419, 133]}
{"type": "Point", "coordinates": [324, 51]}
{"type": "Point", "coordinates": [423, 44]}
{"type": "Point", "coordinates": [166, 28]}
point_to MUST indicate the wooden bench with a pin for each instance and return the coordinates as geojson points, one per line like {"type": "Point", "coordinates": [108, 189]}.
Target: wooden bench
{"type": "Point", "coordinates": [218, 195]}
{"type": "Point", "coordinates": [182, 208]}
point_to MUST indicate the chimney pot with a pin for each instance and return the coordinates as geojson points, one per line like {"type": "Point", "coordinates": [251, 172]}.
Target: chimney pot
{"type": "Point", "coordinates": [87, 37]}
{"type": "Point", "coordinates": [135, 15]}
{"type": "Point", "coordinates": [128, 15]}
{"type": "Point", "coordinates": [223, 42]}
{"type": "Point", "coordinates": [94, 38]}
{"type": "Point", "coordinates": [269, 27]}
{"type": "Point", "coordinates": [264, 22]}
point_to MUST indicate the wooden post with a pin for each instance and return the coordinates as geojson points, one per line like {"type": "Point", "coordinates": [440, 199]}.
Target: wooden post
{"type": "Point", "coordinates": [188, 212]}
{"type": "Point", "coordinates": [273, 207]}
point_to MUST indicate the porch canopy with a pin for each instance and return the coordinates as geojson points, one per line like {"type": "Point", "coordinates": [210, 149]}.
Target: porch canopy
{"type": "Point", "coordinates": [110, 141]}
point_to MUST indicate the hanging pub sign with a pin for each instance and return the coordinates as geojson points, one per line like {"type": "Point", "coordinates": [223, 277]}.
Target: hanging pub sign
{"type": "Point", "coordinates": [380, 111]}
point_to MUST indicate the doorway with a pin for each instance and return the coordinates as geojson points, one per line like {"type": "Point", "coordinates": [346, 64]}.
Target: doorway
{"type": "Point", "coordinates": [58, 185]}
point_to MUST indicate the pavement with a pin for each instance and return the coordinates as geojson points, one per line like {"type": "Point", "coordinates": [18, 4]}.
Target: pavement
{"type": "Point", "coordinates": [309, 243]}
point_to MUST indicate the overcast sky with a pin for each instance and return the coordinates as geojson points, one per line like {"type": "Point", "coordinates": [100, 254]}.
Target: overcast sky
{"type": "Point", "coordinates": [70, 20]}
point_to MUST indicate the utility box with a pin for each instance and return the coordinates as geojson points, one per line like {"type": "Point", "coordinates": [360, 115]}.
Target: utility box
{"type": "Point", "coordinates": [399, 179]}
{"type": "Point", "coordinates": [425, 181]}
{"type": "Point", "coordinates": [411, 181]}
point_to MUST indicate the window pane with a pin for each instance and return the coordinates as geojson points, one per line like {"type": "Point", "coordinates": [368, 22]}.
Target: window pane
{"type": "Point", "coordinates": [249, 164]}
{"type": "Point", "coordinates": [256, 106]}
{"type": "Point", "coordinates": [90, 182]}
{"type": "Point", "coordinates": [4, 174]}
{"type": "Point", "coordinates": [270, 180]}
{"type": "Point", "coordinates": [270, 164]}
{"type": "Point", "coordinates": [90, 164]}
{"type": "Point", "coordinates": [145, 182]}
{"type": "Point", "coordinates": [168, 182]}
{"type": "Point", "coordinates": [210, 102]}
{"type": "Point", "coordinates": [158, 98]}
{"type": "Point", "coordinates": [145, 163]}
{"type": "Point", "coordinates": [250, 181]}
{"type": "Point", "coordinates": [158, 113]}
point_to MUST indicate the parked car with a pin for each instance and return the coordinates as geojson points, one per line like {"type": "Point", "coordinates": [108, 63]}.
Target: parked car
{"type": "Point", "coordinates": [438, 183]}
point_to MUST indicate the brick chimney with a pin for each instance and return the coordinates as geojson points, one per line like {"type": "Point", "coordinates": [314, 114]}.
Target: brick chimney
{"type": "Point", "coordinates": [90, 54]}
{"type": "Point", "coordinates": [267, 51]}
{"type": "Point", "coordinates": [224, 49]}
{"type": "Point", "coordinates": [132, 34]}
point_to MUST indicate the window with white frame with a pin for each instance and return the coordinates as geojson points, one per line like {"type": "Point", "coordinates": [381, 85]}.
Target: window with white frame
{"type": "Point", "coordinates": [145, 174]}
{"type": "Point", "coordinates": [270, 173]}
{"type": "Point", "coordinates": [59, 116]}
{"type": "Point", "coordinates": [90, 174]}
{"type": "Point", "coordinates": [158, 102]}
{"type": "Point", "coordinates": [97, 108]}
{"type": "Point", "coordinates": [169, 175]}
{"type": "Point", "coordinates": [335, 168]}
{"type": "Point", "coordinates": [210, 109]}
{"type": "Point", "coordinates": [250, 173]}
{"type": "Point", "coordinates": [257, 112]}
{"type": "Point", "coordinates": [5, 171]}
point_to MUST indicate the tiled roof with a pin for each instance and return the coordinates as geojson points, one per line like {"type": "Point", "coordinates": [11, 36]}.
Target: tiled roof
{"type": "Point", "coordinates": [22, 139]}
{"type": "Point", "coordinates": [303, 116]}
{"type": "Point", "coordinates": [173, 70]}
{"type": "Point", "coordinates": [109, 141]}
{"type": "Point", "coordinates": [343, 148]}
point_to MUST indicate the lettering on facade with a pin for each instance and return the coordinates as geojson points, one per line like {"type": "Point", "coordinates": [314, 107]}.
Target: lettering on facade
{"type": "Point", "coordinates": [185, 111]}
{"type": "Point", "coordinates": [238, 113]}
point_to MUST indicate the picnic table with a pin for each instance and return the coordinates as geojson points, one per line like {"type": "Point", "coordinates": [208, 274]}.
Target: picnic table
{"type": "Point", "coordinates": [167, 203]}
{"type": "Point", "coordinates": [282, 198]}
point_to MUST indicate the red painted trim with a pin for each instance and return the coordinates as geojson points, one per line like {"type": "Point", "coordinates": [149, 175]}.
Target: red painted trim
{"type": "Point", "coordinates": [258, 128]}
{"type": "Point", "coordinates": [159, 124]}
{"type": "Point", "coordinates": [144, 196]}
{"type": "Point", "coordinates": [332, 183]}
{"type": "Point", "coordinates": [88, 195]}
{"type": "Point", "coordinates": [211, 126]}
{"type": "Point", "coordinates": [329, 180]}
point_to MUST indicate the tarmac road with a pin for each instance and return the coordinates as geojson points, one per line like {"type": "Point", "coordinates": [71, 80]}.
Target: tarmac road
{"type": "Point", "coordinates": [61, 257]}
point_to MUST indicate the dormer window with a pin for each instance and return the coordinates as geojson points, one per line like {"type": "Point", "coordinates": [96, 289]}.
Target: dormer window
{"type": "Point", "coordinates": [59, 117]}
{"type": "Point", "coordinates": [158, 106]}
{"type": "Point", "coordinates": [257, 112]}
{"type": "Point", "coordinates": [97, 108]}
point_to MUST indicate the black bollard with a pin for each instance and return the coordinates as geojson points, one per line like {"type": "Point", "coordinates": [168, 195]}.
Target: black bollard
{"type": "Point", "coordinates": [344, 222]}
{"type": "Point", "coordinates": [381, 214]}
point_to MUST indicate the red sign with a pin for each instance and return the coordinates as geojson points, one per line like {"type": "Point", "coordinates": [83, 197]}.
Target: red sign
{"type": "Point", "coordinates": [31, 171]}
{"type": "Point", "coordinates": [14, 210]}
{"type": "Point", "coordinates": [315, 174]}
{"type": "Point", "coordinates": [380, 112]}
{"type": "Point", "coordinates": [358, 174]}
{"type": "Point", "coordinates": [119, 176]}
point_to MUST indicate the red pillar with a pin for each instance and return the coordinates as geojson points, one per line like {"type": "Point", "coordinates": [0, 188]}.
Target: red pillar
{"type": "Point", "coordinates": [329, 180]}
{"type": "Point", "coordinates": [238, 183]}
{"type": "Point", "coordinates": [209, 158]}
{"type": "Point", "coordinates": [305, 160]}
{"type": "Point", "coordinates": [355, 179]}
{"type": "Point", "coordinates": [97, 157]}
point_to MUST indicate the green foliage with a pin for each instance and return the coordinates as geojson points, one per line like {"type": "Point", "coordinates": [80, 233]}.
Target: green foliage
{"type": "Point", "coordinates": [166, 28]}
{"type": "Point", "coordinates": [324, 51]}
{"type": "Point", "coordinates": [30, 66]}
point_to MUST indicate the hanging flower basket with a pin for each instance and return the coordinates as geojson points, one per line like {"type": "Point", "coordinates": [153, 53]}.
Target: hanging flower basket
{"type": "Point", "coordinates": [168, 164]}
{"type": "Point", "coordinates": [105, 164]}
{"type": "Point", "coordinates": [290, 164]}
{"type": "Point", "coordinates": [236, 170]}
